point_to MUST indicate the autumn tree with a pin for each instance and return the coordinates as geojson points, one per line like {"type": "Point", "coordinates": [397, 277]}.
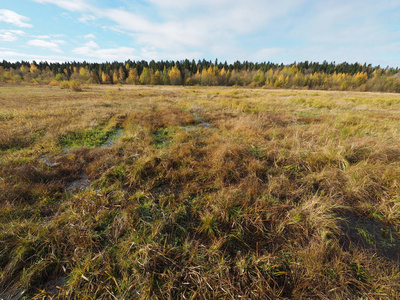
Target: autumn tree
{"type": "Point", "coordinates": [105, 78]}
{"type": "Point", "coordinates": [145, 76]}
{"type": "Point", "coordinates": [115, 76]}
{"type": "Point", "coordinates": [258, 78]}
{"type": "Point", "coordinates": [311, 75]}
{"type": "Point", "coordinates": [133, 77]}
{"type": "Point", "coordinates": [165, 77]}
{"type": "Point", "coordinates": [156, 78]}
{"type": "Point", "coordinates": [175, 76]}
{"type": "Point", "coordinates": [121, 75]}
{"type": "Point", "coordinates": [221, 77]}
{"type": "Point", "coordinates": [33, 70]}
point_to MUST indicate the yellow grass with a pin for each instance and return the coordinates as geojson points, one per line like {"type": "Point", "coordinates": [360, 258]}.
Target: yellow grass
{"type": "Point", "coordinates": [128, 192]}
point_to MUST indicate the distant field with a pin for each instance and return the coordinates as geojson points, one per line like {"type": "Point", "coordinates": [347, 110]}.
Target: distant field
{"type": "Point", "coordinates": [134, 192]}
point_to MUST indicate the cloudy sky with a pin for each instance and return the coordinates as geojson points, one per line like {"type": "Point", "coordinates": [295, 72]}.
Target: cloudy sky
{"type": "Point", "coordinates": [254, 30]}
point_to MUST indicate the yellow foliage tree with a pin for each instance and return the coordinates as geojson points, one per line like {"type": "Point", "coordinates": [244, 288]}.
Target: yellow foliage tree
{"type": "Point", "coordinates": [33, 68]}
{"type": "Point", "coordinates": [145, 76]}
{"type": "Point", "coordinates": [132, 76]}
{"type": "Point", "coordinates": [156, 78]}
{"type": "Point", "coordinates": [175, 76]}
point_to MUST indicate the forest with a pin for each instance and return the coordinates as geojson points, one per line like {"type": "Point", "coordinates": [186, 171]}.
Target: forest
{"type": "Point", "coordinates": [298, 75]}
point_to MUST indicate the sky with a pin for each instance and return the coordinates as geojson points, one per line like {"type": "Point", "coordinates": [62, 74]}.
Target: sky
{"type": "Point", "coordinates": [284, 31]}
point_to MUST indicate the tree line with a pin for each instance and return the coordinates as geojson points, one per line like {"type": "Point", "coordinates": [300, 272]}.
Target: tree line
{"type": "Point", "coordinates": [307, 75]}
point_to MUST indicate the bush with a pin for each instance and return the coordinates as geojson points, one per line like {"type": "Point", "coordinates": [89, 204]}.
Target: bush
{"type": "Point", "coordinates": [59, 77]}
{"type": "Point", "coordinates": [64, 84]}
{"type": "Point", "coordinates": [75, 86]}
{"type": "Point", "coordinates": [54, 83]}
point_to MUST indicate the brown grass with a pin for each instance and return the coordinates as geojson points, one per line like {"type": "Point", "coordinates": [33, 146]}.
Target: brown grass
{"type": "Point", "coordinates": [198, 193]}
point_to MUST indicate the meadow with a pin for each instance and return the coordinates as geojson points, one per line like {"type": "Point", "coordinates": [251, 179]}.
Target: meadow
{"type": "Point", "coordinates": [141, 192]}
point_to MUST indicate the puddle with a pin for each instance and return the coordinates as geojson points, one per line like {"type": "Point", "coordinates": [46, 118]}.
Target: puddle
{"type": "Point", "coordinates": [201, 122]}
{"type": "Point", "coordinates": [114, 138]}
{"type": "Point", "coordinates": [15, 296]}
{"type": "Point", "coordinates": [80, 184]}
{"type": "Point", "coordinates": [83, 182]}
{"type": "Point", "coordinates": [48, 162]}
{"type": "Point", "coordinates": [371, 235]}
{"type": "Point", "coordinates": [53, 286]}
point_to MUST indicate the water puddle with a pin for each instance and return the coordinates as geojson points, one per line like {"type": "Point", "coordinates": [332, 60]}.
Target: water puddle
{"type": "Point", "coordinates": [113, 138]}
{"type": "Point", "coordinates": [79, 184]}
{"type": "Point", "coordinates": [16, 296]}
{"type": "Point", "coordinates": [48, 162]}
{"type": "Point", "coordinates": [83, 182]}
{"type": "Point", "coordinates": [54, 286]}
{"type": "Point", "coordinates": [201, 122]}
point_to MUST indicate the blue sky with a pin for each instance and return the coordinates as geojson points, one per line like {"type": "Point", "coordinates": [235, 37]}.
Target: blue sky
{"type": "Point", "coordinates": [254, 30]}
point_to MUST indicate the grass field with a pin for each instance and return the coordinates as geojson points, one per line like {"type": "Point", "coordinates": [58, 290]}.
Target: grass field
{"type": "Point", "coordinates": [198, 193]}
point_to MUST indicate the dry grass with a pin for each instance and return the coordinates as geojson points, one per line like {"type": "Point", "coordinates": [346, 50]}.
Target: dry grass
{"type": "Point", "coordinates": [198, 193]}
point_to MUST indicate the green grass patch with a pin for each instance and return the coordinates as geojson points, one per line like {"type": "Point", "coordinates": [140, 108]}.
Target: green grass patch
{"type": "Point", "coordinates": [162, 137]}
{"type": "Point", "coordinates": [87, 138]}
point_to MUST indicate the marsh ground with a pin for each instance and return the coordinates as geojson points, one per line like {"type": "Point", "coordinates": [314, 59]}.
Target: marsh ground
{"type": "Point", "coordinates": [199, 193]}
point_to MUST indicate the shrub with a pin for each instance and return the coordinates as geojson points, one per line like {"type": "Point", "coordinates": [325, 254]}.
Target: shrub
{"type": "Point", "coordinates": [54, 83]}
{"type": "Point", "coordinates": [75, 86]}
{"type": "Point", "coordinates": [64, 84]}
{"type": "Point", "coordinates": [59, 77]}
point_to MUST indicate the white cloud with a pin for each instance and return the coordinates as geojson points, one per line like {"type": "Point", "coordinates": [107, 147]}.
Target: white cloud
{"type": "Point", "coordinates": [93, 50]}
{"type": "Point", "coordinates": [89, 36]}
{"type": "Point", "coordinates": [225, 15]}
{"type": "Point", "coordinates": [13, 18]}
{"type": "Point", "coordinates": [75, 5]}
{"type": "Point", "coordinates": [42, 37]}
{"type": "Point", "coordinates": [266, 54]}
{"type": "Point", "coordinates": [130, 21]}
{"type": "Point", "coordinates": [187, 25]}
{"type": "Point", "coordinates": [13, 56]}
{"type": "Point", "coordinates": [46, 37]}
{"type": "Point", "coordinates": [202, 27]}
{"type": "Point", "coordinates": [10, 35]}
{"type": "Point", "coordinates": [50, 45]}
{"type": "Point", "coordinates": [87, 18]}
{"type": "Point", "coordinates": [354, 31]}
{"type": "Point", "coordinates": [59, 42]}
{"type": "Point", "coordinates": [86, 48]}
{"type": "Point", "coordinates": [286, 30]}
